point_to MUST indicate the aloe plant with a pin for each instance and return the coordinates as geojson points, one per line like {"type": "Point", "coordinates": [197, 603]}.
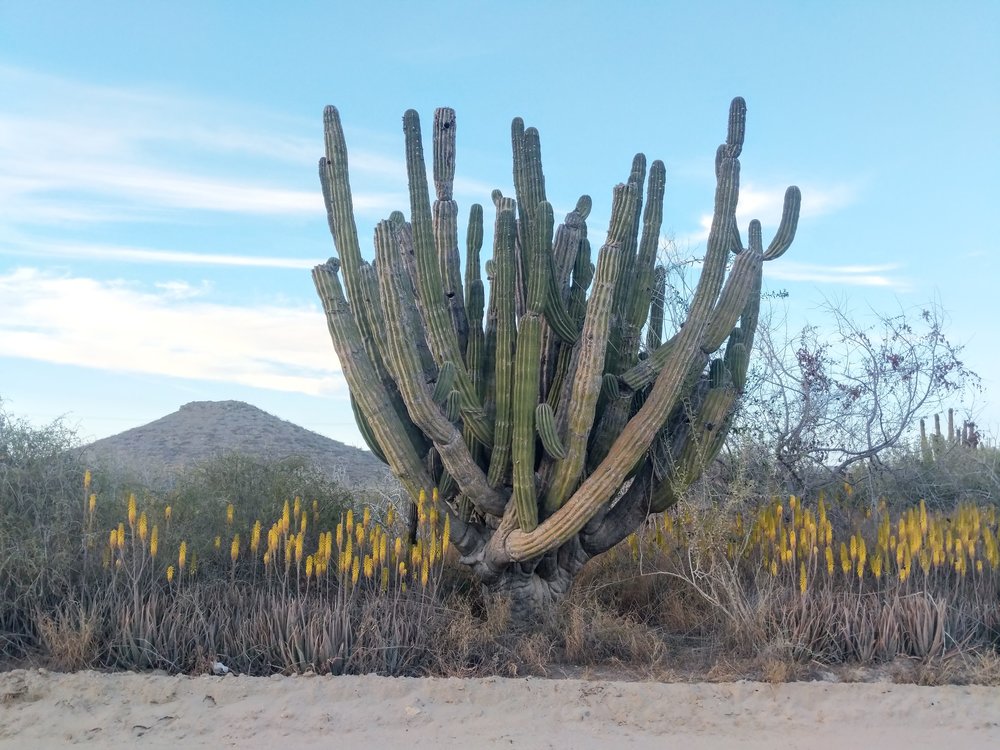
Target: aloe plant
{"type": "Point", "coordinates": [551, 426]}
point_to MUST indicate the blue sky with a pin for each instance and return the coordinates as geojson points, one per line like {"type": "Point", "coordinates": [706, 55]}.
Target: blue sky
{"type": "Point", "coordinates": [159, 206]}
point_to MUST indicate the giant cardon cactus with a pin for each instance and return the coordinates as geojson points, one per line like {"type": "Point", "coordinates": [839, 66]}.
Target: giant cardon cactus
{"type": "Point", "coordinates": [550, 426]}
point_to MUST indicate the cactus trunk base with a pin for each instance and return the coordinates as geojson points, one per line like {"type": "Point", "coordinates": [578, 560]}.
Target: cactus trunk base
{"type": "Point", "coordinates": [533, 592]}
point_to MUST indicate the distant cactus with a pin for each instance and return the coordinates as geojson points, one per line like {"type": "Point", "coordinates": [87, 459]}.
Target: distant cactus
{"type": "Point", "coordinates": [551, 425]}
{"type": "Point", "coordinates": [933, 446]}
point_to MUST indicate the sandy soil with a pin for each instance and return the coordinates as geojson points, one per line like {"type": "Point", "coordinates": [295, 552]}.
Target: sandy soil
{"type": "Point", "coordinates": [39, 709]}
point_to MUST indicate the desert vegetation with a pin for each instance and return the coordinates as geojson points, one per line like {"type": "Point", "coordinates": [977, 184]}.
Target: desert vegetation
{"type": "Point", "coordinates": [720, 586]}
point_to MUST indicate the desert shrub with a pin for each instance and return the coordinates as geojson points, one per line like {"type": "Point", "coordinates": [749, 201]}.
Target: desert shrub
{"type": "Point", "coordinates": [256, 488]}
{"type": "Point", "coordinates": [41, 512]}
{"type": "Point", "coordinates": [954, 474]}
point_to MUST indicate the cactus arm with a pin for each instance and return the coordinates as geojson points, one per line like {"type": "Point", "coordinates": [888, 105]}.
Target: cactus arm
{"type": "Point", "coordinates": [654, 333]}
{"type": "Point", "coordinates": [546, 423]}
{"type": "Point", "coordinates": [475, 298]}
{"type": "Point", "coordinates": [529, 344]}
{"type": "Point", "coordinates": [403, 232]}
{"type": "Point", "coordinates": [426, 414]}
{"type": "Point", "coordinates": [388, 429]}
{"type": "Point", "coordinates": [366, 430]}
{"type": "Point", "coordinates": [437, 319]}
{"type": "Point", "coordinates": [578, 410]}
{"type": "Point", "coordinates": [743, 280]}
{"type": "Point", "coordinates": [645, 275]}
{"type": "Point", "coordinates": [446, 221]}
{"type": "Point", "coordinates": [502, 296]}
{"type": "Point", "coordinates": [634, 309]}
{"type": "Point", "coordinates": [789, 222]}
{"type": "Point", "coordinates": [527, 367]}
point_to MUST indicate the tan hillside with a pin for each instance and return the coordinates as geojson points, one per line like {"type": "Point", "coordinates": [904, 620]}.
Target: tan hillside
{"type": "Point", "coordinates": [204, 429]}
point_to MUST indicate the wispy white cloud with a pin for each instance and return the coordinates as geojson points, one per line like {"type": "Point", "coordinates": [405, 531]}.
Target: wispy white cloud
{"type": "Point", "coordinates": [73, 152]}
{"type": "Point", "coordinates": [167, 330]}
{"type": "Point", "coordinates": [884, 275]}
{"type": "Point", "coordinates": [124, 254]}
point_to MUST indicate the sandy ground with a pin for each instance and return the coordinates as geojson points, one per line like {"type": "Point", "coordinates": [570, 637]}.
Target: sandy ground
{"type": "Point", "coordinates": [39, 709]}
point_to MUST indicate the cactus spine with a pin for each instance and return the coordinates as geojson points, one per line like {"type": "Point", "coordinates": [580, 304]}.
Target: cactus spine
{"type": "Point", "coordinates": [532, 409]}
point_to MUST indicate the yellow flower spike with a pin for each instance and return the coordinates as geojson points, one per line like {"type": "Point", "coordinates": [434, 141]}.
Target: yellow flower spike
{"type": "Point", "coordinates": [154, 541]}
{"type": "Point", "coordinates": [272, 538]}
{"type": "Point", "coordinates": [86, 479]}
{"type": "Point", "coordinates": [143, 527]}
{"type": "Point", "coordinates": [267, 558]}
{"type": "Point", "coordinates": [340, 535]}
{"type": "Point", "coordinates": [385, 580]}
{"type": "Point", "coordinates": [329, 545]}
{"type": "Point", "coordinates": [355, 570]}
{"type": "Point", "coordinates": [359, 533]}
{"type": "Point", "coordinates": [854, 547]}
{"type": "Point", "coordinates": [310, 562]}
{"type": "Point", "coordinates": [875, 563]}
{"type": "Point", "coordinates": [390, 515]}
{"type": "Point", "coordinates": [182, 555]}
{"type": "Point", "coordinates": [369, 567]}
{"type": "Point", "coordinates": [774, 567]}
{"type": "Point", "coordinates": [299, 544]}
{"type": "Point", "coordinates": [168, 512]}
{"type": "Point", "coordinates": [366, 517]}
{"type": "Point", "coordinates": [925, 561]}
{"type": "Point", "coordinates": [446, 535]}
{"type": "Point", "coordinates": [803, 580]}
{"type": "Point", "coordinates": [316, 511]}
{"type": "Point", "coordinates": [435, 496]}
{"type": "Point", "coordinates": [303, 523]}
{"type": "Point", "coordinates": [829, 561]}
{"type": "Point", "coordinates": [349, 524]}
{"type": "Point", "coordinates": [979, 567]}
{"type": "Point", "coordinates": [92, 504]}
{"type": "Point", "coordinates": [289, 550]}
{"type": "Point", "coordinates": [121, 536]}
{"type": "Point", "coordinates": [170, 574]}
{"type": "Point", "coordinates": [398, 547]}
{"type": "Point", "coordinates": [230, 514]}
{"type": "Point", "coordinates": [255, 537]}
{"type": "Point", "coordinates": [218, 542]}
{"type": "Point", "coordinates": [402, 568]}
{"type": "Point", "coordinates": [286, 518]}
{"type": "Point", "coordinates": [383, 548]}
{"type": "Point", "coordinates": [113, 539]}
{"type": "Point", "coordinates": [131, 510]}
{"type": "Point", "coordinates": [297, 508]}
{"type": "Point", "coordinates": [234, 548]}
